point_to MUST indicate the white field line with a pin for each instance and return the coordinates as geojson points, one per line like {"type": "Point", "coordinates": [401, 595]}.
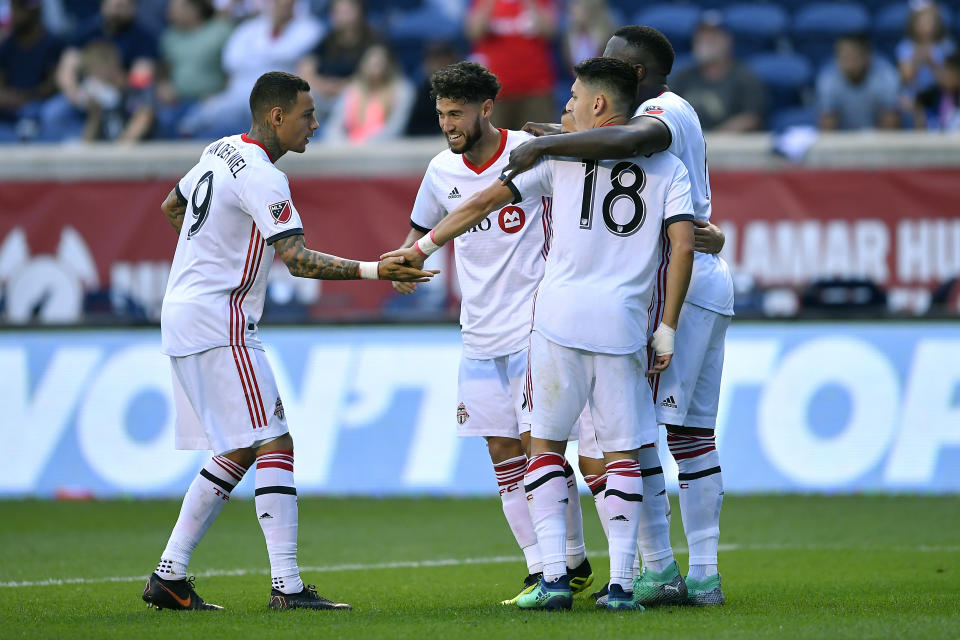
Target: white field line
{"type": "Point", "coordinates": [459, 562]}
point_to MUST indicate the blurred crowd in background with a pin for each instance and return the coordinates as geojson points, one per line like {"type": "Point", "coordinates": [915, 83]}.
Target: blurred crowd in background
{"type": "Point", "coordinates": [128, 70]}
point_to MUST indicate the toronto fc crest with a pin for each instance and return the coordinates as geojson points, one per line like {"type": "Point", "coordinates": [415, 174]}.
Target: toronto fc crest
{"type": "Point", "coordinates": [462, 415]}
{"type": "Point", "coordinates": [278, 409]}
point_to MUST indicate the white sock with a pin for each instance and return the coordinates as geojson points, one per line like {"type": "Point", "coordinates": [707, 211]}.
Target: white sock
{"type": "Point", "coordinates": [624, 500]}
{"type": "Point", "coordinates": [653, 534]}
{"type": "Point", "coordinates": [276, 502]}
{"type": "Point", "coordinates": [546, 486]}
{"type": "Point", "coordinates": [576, 547]}
{"type": "Point", "coordinates": [598, 484]}
{"type": "Point", "coordinates": [204, 500]}
{"type": "Point", "coordinates": [701, 497]}
{"type": "Point", "coordinates": [514, 498]}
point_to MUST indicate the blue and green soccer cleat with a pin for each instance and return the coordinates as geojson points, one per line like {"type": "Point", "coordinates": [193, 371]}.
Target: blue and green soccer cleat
{"type": "Point", "coordinates": [619, 600]}
{"type": "Point", "coordinates": [551, 596]}
{"type": "Point", "coordinates": [706, 592]}
{"type": "Point", "coordinates": [652, 589]}
{"type": "Point", "coordinates": [529, 584]}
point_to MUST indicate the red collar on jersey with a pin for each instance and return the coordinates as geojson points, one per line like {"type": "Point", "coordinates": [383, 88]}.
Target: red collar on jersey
{"type": "Point", "coordinates": [250, 140]}
{"type": "Point", "coordinates": [486, 165]}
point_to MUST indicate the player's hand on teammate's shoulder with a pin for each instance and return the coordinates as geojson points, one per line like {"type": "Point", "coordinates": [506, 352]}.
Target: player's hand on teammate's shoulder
{"type": "Point", "coordinates": [542, 128]}
{"type": "Point", "coordinates": [707, 237]}
{"type": "Point", "coordinates": [522, 157]}
{"type": "Point", "coordinates": [393, 267]}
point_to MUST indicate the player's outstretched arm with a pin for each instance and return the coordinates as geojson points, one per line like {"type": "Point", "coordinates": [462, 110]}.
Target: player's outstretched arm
{"type": "Point", "coordinates": [678, 279]}
{"type": "Point", "coordinates": [307, 263]}
{"type": "Point", "coordinates": [641, 136]}
{"type": "Point", "coordinates": [174, 208]}
{"type": "Point", "coordinates": [542, 128]}
{"type": "Point", "coordinates": [456, 223]}
{"type": "Point", "coordinates": [707, 237]}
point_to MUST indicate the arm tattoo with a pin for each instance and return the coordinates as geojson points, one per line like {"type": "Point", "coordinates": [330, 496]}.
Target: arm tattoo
{"type": "Point", "coordinates": [174, 207]}
{"type": "Point", "coordinates": [306, 263]}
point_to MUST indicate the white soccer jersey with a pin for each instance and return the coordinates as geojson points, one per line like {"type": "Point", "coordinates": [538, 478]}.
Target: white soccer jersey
{"type": "Point", "coordinates": [711, 286]}
{"type": "Point", "coordinates": [500, 261]}
{"type": "Point", "coordinates": [607, 248]}
{"type": "Point", "coordinates": [238, 204]}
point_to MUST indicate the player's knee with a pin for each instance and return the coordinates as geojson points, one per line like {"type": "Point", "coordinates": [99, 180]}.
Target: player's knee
{"type": "Point", "coordinates": [503, 449]}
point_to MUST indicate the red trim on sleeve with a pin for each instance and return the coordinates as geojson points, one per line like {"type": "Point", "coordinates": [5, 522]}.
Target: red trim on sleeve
{"type": "Point", "coordinates": [250, 140]}
{"type": "Point", "coordinates": [496, 156]}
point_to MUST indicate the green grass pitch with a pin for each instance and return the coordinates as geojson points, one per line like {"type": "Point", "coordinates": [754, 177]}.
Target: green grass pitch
{"type": "Point", "coordinates": [793, 567]}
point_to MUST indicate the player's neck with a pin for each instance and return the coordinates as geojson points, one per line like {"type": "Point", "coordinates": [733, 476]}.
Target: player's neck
{"type": "Point", "coordinates": [269, 140]}
{"type": "Point", "coordinates": [485, 147]}
{"type": "Point", "coordinates": [610, 120]}
{"type": "Point", "coordinates": [647, 91]}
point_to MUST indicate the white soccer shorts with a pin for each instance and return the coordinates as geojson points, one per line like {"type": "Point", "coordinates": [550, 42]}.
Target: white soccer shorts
{"type": "Point", "coordinates": [688, 392]}
{"type": "Point", "coordinates": [490, 396]}
{"type": "Point", "coordinates": [226, 399]}
{"type": "Point", "coordinates": [562, 381]}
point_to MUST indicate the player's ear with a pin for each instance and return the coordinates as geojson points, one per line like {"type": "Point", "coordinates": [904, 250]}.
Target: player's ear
{"type": "Point", "coordinates": [275, 117]}
{"type": "Point", "coordinates": [599, 104]}
{"type": "Point", "coordinates": [641, 71]}
{"type": "Point", "coordinates": [486, 108]}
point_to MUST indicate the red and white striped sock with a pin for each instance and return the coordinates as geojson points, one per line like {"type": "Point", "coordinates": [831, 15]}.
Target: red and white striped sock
{"type": "Point", "coordinates": [546, 486]}
{"type": "Point", "coordinates": [598, 484]}
{"type": "Point", "coordinates": [514, 498]}
{"type": "Point", "coordinates": [203, 502]}
{"type": "Point", "coordinates": [276, 502]}
{"type": "Point", "coordinates": [653, 534]}
{"type": "Point", "coordinates": [624, 499]}
{"type": "Point", "coordinates": [701, 497]}
{"type": "Point", "coordinates": [576, 547]}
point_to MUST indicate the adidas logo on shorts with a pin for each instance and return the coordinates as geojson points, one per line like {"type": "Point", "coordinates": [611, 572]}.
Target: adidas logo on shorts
{"type": "Point", "coordinates": [669, 402]}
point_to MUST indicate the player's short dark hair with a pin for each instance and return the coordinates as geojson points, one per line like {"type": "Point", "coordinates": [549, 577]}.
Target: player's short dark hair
{"type": "Point", "coordinates": [651, 42]}
{"type": "Point", "coordinates": [464, 82]}
{"type": "Point", "coordinates": [275, 89]}
{"type": "Point", "coordinates": [616, 78]}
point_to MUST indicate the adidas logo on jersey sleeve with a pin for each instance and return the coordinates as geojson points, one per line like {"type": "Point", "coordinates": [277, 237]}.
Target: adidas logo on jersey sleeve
{"type": "Point", "coordinates": [454, 194]}
{"type": "Point", "coordinates": [669, 402]}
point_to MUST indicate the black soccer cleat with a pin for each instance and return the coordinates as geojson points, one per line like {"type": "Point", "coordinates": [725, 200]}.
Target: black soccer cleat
{"type": "Point", "coordinates": [178, 595]}
{"type": "Point", "coordinates": [306, 599]}
{"type": "Point", "coordinates": [596, 595]}
{"type": "Point", "coordinates": [581, 577]}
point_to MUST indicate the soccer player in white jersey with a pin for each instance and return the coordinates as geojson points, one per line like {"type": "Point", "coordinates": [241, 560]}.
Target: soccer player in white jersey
{"type": "Point", "coordinates": [500, 263]}
{"type": "Point", "coordinates": [232, 211]}
{"type": "Point", "coordinates": [687, 394]}
{"type": "Point", "coordinates": [589, 339]}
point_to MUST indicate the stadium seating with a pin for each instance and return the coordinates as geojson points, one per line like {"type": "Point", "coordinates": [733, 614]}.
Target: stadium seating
{"type": "Point", "coordinates": [816, 26]}
{"type": "Point", "coordinates": [755, 27]}
{"type": "Point", "coordinates": [676, 21]}
{"type": "Point", "coordinates": [785, 75]}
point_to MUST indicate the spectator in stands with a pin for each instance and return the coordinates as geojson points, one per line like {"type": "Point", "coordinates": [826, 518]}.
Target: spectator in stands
{"type": "Point", "coordinates": [589, 26]}
{"type": "Point", "coordinates": [423, 113]}
{"type": "Point", "coordinates": [512, 38]}
{"type": "Point", "coordinates": [63, 115]}
{"type": "Point", "coordinates": [190, 52]}
{"type": "Point", "coordinates": [938, 108]}
{"type": "Point", "coordinates": [924, 49]}
{"type": "Point", "coordinates": [376, 103]}
{"type": "Point", "coordinates": [726, 94]}
{"type": "Point", "coordinates": [274, 40]}
{"type": "Point", "coordinates": [329, 67]}
{"type": "Point", "coordinates": [115, 109]}
{"type": "Point", "coordinates": [858, 90]}
{"type": "Point", "coordinates": [28, 61]}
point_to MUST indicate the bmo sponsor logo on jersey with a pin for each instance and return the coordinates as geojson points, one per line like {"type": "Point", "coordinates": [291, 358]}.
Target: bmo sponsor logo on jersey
{"type": "Point", "coordinates": [511, 219]}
